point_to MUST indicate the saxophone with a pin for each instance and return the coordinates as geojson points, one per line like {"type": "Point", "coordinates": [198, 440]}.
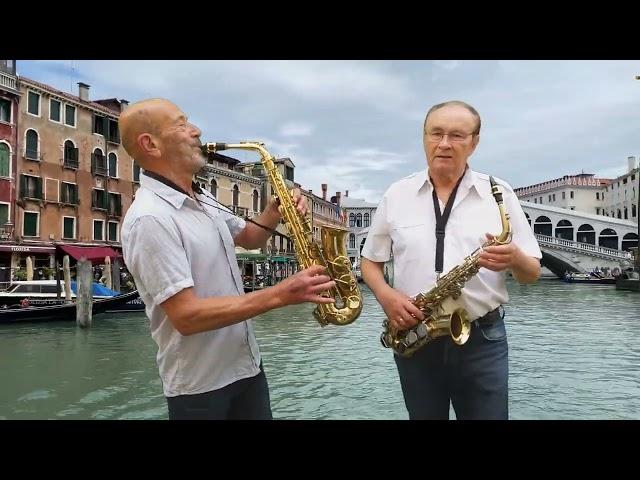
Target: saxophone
{"type": "Point", "coordinates": [441, 318]}
{"type": "Point", "coordinates": [332, 254]}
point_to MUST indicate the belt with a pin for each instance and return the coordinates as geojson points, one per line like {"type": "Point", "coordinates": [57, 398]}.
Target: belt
{"type": "Point", "coordinates": [492, 316]}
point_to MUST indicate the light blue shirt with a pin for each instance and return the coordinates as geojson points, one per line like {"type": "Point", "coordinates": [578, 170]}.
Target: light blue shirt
{"type": "Point", "coordinates": [171, 242]}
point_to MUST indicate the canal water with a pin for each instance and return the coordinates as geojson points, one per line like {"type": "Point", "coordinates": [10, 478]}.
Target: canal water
{"type": "Point", "coordinates": [574, 354]}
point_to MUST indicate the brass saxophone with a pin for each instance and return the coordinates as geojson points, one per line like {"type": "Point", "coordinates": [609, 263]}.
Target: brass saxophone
{"type": "Point", "coordinates": [441, 319]}
{"type": "Point", "coordinates": [332, 254]}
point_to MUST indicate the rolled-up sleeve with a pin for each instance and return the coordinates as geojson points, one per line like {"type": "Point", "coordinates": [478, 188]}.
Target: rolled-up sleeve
{"type": "Point", "coordinates": [377, 248]}
{"type": "Point", "coordinates": [156, 258]}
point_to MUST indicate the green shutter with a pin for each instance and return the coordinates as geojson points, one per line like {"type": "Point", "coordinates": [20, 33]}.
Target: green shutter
{"type": "Point", "coordinates": [5, 158]}
{"type": "Point", "coordinates": [30, 224]}
{"type": "Point", "coordinates": [38, 188]}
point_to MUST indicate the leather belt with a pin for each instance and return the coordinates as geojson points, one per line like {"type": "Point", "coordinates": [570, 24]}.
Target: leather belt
{"type": "Point", "coordinates": [493, 316]}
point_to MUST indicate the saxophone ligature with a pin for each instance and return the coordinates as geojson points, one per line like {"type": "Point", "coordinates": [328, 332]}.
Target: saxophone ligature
{"type": "Point", "coordinates": [331, 254]}
{"type": "Point", "coordinates": [441, 317]}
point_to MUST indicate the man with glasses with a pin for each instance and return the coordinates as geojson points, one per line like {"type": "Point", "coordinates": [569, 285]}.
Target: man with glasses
{"type": "Point", "coordinates": [473, 377]}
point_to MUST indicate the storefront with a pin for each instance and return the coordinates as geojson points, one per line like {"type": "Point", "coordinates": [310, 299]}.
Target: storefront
{"type": "Point", "coordinates": [14, 257]}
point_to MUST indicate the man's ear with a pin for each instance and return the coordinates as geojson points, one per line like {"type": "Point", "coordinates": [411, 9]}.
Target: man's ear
{"type": "Point", "coordinates": [148, 145]}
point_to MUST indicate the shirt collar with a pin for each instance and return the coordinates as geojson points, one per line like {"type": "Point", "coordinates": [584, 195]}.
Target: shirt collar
{"type": "Point", "coordinates": [470, 180]}
{"type": "Point", "coordinates": [165, 192]}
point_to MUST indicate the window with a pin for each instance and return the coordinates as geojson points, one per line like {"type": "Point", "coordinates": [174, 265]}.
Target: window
{"type": "Point", "coordinates": [255, 201]}
{"type": "Point", "coordinates": [554, 197]}
{"type": "Point", "coordinates": [366, 219]}
{"type": "Point", "coordinates": [69, 193]}
{"type": "Point", "coordinates": [30, 224]}
{"type": "Point", "coordinates": [597, 195]}
{"type": "Point", "coordinates": [626, 214]}
{"type": "Point", "coordinates": [358, 220]}
{"type": "Point", "coordinates": [624, 181]}
{"type": "Point", "coordinates": [288, 173]}
{"type": "Point", "coordinates": [30, 187]}
{"type": "Point", "coordinates": [563, 195]}
{"type": "Point", "coordinates": [136, 172]}
{"type": "Point", "coordinates": [69, 227]}
{"type": "Point", "coordinates": [98, 163]}
{"type": "Point", "coordinates": [113, 165]}
{"type": "Point", "coordinates": [54, 110]}
{"type": "Point", "coordinates": [115, 204]}
{"type": "Point", "coordinates": [549, 197]}
{"type": "Point", "coordinates": [535, 200]}
{"type": "Point", "coordinates": [5, 160]}
{"type": "Point", "coordinates": [113, 232]}
{"type": "Point", "coordinates": [98, 124]}
{"type": "Point", "coordinates": [236, 195]}
{"type": "Point", "coordinates": [4, 214]}
{"type": "Point", "coordinates": [31, 147]}
{"type": "Point", "coordinates": [352, 219]}
{"type": "Point", "coordinates": [33, 106]}
{"type": "Point", "coordinates": [352, 240]}
{"type": "Point", "coordinates": [99, 199]}
{"type": "Point", "coordinates": [113, 133]}
{"type": "Point", "coordinates": [597, 210]}
{"type": "Point", "coordinates": [633, 211]}
{"type": "Point", "coordinates": [98, 229]}
{"type": "Point", "coordinates": [571, 194]}
{"type": "Point", "coordinates": [70, 155]}
{"type": "Point", "coordinates": [70, 115]}
{"type": "Point", "coordinates": [214, 188]}
{"type": "Point", "coordinates": [5, 110]}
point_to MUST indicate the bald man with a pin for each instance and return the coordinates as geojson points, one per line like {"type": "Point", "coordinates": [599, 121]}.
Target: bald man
{"type": "Point", "coordinates": [179, 245]}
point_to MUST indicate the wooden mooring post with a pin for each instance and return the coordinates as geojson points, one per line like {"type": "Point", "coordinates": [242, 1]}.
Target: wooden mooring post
{"type": "Point", "coordinates": [115, 274]}
{"type": "Point", "coordinates": [84, 294]}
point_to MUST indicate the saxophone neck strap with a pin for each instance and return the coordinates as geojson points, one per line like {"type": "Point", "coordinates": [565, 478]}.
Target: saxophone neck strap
{"type": "Point", "coordinates": [441, 221]}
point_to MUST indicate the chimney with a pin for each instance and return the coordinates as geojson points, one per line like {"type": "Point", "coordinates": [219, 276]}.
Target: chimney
{"type": "Point", "coordinates": [324, 191]}
{"type": "Point", "coordinates": [632, 163]}
{"type": "Point", "coordinates": [346, 193]}
{"type": "Point", "coordinates": [83, 90]}
{"type": "Point", "coordinates": [123, 104]}
{"type": "Point", "coordinates": [338, 195]}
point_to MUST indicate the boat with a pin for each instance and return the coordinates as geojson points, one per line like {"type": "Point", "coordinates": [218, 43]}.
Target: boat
{"type": "Point", "coordinates": [629, 280]}
{"type": "Point", "coordinates": [39, 293]}
{"type": "Point", "coordinates": [64, 311]}
{"type": "Point", "coordinates": [593, 278]}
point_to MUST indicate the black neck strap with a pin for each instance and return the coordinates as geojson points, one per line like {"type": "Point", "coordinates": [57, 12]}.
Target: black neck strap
{"type": "Point", "coordinates": [441, 221]}
{"type": "Point", "coordinates": [156, 176]}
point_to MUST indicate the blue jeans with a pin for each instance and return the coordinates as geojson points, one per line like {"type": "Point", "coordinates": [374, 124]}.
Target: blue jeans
{"type": "Point", "coordinates": [473, 376]}
{"type": "Point", "coordinates": [246, 399]}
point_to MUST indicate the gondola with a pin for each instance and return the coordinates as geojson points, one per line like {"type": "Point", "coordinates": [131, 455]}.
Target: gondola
{"type": "Point", "coordinates": [63, 312]}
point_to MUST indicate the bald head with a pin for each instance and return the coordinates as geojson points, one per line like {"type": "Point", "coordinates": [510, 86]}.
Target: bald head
{"type": "Point", "coordinates": [146, 116]}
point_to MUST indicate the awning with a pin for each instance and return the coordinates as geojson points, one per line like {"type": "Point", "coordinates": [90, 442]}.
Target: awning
{"type": "Point", "coordinates": [93, 254]}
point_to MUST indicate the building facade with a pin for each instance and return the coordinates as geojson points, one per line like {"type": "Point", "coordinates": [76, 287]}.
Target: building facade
{"type": "Point", "coordinates": [74, 179]}
{"type": "Point", "coordinates": [9, 107]}
{"type": "Point", "coordinates": [622, 194]}
{"type": "Point", "coordinates": [359, 215]}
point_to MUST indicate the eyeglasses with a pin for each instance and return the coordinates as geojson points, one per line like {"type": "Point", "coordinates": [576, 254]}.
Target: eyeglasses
{"type": "Point", "coordinates": [455, 137]}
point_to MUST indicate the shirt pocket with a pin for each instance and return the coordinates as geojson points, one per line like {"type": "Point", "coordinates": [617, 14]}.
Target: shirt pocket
{"type": "Point", "coordinates": [409, 238]}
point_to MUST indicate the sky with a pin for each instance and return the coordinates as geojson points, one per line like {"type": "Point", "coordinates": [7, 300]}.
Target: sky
{"type": "Point", "coordinates": [357, 125]}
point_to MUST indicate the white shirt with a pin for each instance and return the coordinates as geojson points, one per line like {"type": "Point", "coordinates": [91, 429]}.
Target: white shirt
{"type": "Point", "coordinates": [405, 224]}
{"type": "Point", "coordinates": [171, 242]}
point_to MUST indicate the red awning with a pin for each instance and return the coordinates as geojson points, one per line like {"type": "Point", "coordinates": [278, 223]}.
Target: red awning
{"type": "Point", "coordinates": [93, 254]}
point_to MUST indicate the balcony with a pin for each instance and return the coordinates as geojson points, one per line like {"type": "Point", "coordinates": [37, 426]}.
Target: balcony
{"type": "Point", "coordinates": [8, 81]}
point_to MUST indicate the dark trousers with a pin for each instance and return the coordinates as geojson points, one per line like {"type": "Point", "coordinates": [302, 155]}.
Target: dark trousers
{"type": "Point", "coordinates": [473, 376]}
{"type": "Point", "coordinates": [246, 399]}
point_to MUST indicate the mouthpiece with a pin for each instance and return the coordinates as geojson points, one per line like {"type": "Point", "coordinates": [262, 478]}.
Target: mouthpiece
{"type": "Point", "coordinates": [213, 147]}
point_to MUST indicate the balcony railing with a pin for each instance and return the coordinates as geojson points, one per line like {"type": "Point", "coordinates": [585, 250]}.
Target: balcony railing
{"type": "Point", "coordinates": [8, 81]}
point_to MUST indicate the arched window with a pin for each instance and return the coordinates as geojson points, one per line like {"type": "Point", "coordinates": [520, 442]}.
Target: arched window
{"type": "Point", "coordinates": [5, 160]}
{"type": "Point", "coordinates": [113, 165]}
{"type": "Point", "coordinates": [608, 238]}
{"type": "Point", "coordinates": [586, 234]}
{"type": "Point", "coordinates": [236, 195]}
{"type": "Point", "coordinates": [626, 214]}
{"type": "Point", "coordinates": [352, 219]}
{"type": "Point", "coordinates": [366, 220]}
{"type": "Point", "coordinates": [564, 230]}
{"type": "Point", "coordinates": [31, 147]}
{"type": "Point", "coordinates": [359, 220]}
{"type": "Point", "coordinates": [352, 240]}
{"type": "Point", "coordinates": [619, 214]}
{"type": "Point", "coordinates": [543, 226]}
{"type": "Point", "coordinates": [214, 188]}
{"type": "Point", "coordinates": [255, 201]}
{"type": "Point", "coordinates": [629, 240]}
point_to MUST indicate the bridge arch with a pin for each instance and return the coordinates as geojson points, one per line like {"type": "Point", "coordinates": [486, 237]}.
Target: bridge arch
{"type": "Point", "coordinates": [629, 240]}
{"type": "Point", "coordinates": [586, 234]}
{"type": "Point", "coordinates": [543, 226]}
{"type": "Point", "coordinates": [608, 238]}
{"type": "Point", "coordinates": [564, 230]}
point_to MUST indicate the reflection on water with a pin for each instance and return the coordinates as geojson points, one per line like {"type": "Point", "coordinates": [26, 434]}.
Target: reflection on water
{"type": "Point", "coordinates": [573, 355]}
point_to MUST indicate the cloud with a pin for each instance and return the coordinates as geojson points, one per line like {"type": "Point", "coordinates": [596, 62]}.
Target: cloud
{"type": "Point", "coordinates": [293, 129]}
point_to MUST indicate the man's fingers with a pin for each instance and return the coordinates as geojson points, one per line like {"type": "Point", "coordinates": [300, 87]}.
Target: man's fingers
{"type": "Point", "coordinates": [323, 287]}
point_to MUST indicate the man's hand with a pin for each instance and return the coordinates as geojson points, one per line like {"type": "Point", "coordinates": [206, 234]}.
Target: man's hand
{"type": "Point", "coordinates": [299, 200]}
{"type": "Point", "coordinates": [399, 310]}
{"type": "Point", "coordinates": [499, 257]}
{"type": "Point", "coordinates": [305, 286]}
